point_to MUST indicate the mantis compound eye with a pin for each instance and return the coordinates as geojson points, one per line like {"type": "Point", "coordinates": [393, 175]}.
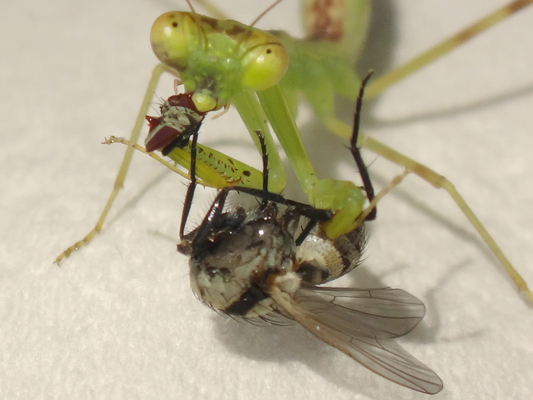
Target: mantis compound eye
{"type": "Point", "coordinates": [264, 66]}
{"type": "Point", "coordinates": [173, 36]}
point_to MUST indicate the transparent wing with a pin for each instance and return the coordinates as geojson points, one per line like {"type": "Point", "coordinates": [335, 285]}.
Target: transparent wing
{"type": "Point", "coordinates": [381, 313]}
{"type": "Point", "coordinates": [361, 323]}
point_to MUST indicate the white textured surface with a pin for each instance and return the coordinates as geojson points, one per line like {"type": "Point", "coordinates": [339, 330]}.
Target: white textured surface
{"type": "Point", "coordinates": [118, 320]}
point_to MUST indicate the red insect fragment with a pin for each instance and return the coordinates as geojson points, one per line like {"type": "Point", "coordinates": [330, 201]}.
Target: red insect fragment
{"type": "Point", "coordinates": [179, 120]}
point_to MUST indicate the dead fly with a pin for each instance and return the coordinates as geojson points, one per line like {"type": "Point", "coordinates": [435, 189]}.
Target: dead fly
{"type": "Point", "coordinates": [255, 265]}
{"type": "Point", "coordinates": [179, 120]}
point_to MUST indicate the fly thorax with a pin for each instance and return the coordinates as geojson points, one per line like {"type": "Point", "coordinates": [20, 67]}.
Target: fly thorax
{"type": "Point", "coordinates": [181, 118]}
{"type": "Point", "coordinates": [231, 276]}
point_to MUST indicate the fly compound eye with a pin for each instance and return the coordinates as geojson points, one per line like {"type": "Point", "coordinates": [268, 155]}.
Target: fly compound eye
{"type": "Point", "coordinates": [264, 66]}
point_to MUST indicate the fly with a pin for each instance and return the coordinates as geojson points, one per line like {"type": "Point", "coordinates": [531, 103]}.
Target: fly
{"type": "Point", "coordinates": [255, 265]}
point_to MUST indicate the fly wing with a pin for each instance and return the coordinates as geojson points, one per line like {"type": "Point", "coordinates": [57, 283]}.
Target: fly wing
{"type": "Point", "coordinates": [381, 313]}
{"type": "Point", "coordinates": [360, 328]}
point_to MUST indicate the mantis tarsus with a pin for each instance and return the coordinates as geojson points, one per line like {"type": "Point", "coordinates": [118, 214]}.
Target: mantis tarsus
{"type": "Point", "coordinates": [299, 163]}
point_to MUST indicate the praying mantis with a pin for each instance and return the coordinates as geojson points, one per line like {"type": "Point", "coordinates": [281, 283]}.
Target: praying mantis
{"type": "Point", "coordinates": [282, 119]}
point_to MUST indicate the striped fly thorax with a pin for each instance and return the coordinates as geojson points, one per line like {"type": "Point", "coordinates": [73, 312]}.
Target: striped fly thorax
{"type": "Point", "coordinates": [179, 120]}
{"type": "Point", "coordinates": [243, 255]}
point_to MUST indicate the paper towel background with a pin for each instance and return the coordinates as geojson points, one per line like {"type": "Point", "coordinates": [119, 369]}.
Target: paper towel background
{"type": "Point", "coordinates": [118, 319]}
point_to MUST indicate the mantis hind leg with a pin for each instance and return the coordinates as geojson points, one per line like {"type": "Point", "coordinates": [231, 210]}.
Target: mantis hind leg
{"type": "Point", "coordinates": [126, 160]}
{"type": "Point", "coordinates": [215, 169]}
{"type": "Point", "coordinates": [441, 182]}
{"type": "Point", "coordinates": [376, 87]}
{"type": "Point", "coordinates": [327, 113]}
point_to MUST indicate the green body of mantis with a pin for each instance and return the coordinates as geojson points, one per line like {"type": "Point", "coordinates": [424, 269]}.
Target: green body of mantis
{"type": "Point", "coordinates": [260, 73]}
{"type": "Point", "coordinates": [227, 62]}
